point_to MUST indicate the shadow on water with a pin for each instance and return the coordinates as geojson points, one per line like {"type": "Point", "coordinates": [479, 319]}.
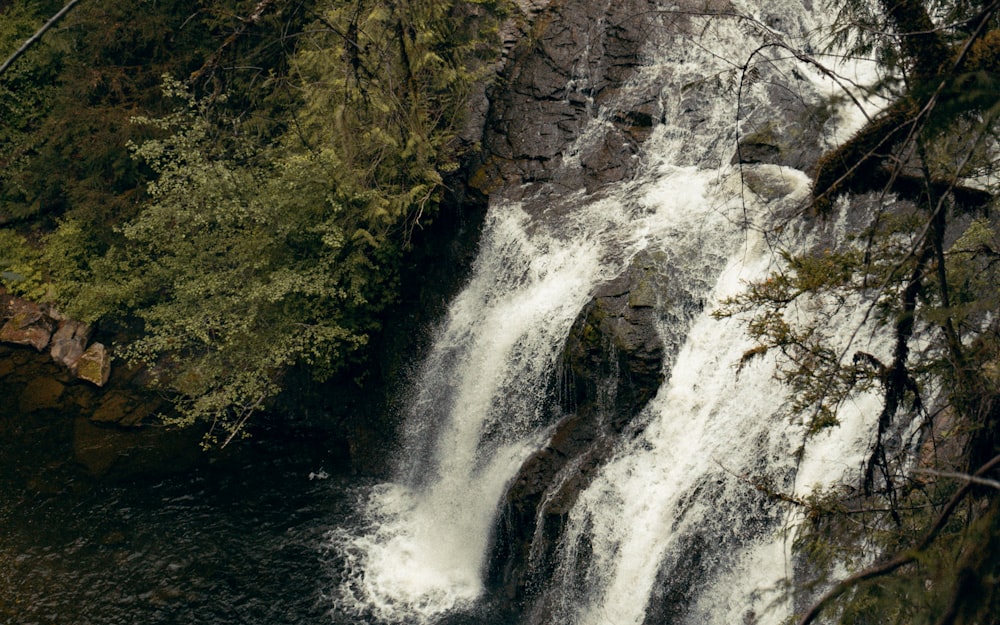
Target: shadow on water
{"type": "Point", "coordinates": [238, 544]}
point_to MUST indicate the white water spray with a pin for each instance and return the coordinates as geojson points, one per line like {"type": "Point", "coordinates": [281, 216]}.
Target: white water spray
{"type": "Point", "coordinates": [481, 403]}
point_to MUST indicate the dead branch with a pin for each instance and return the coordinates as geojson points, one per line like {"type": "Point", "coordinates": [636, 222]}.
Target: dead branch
{"type": "Point", "coordinates": [30, 41]}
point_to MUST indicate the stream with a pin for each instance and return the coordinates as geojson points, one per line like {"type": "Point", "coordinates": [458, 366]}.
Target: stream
{"type": "Point", "coordinates": [239, 544]}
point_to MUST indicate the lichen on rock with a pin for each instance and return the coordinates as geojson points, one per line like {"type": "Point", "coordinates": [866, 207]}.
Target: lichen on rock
{"type": "Point", "coordinates": [95, 365]}
{"type": "Point", "coordinates": [27, 325]}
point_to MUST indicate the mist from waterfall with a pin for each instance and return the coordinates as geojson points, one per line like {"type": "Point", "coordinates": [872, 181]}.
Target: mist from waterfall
{"type": "Point", "coordinates": [673, 518]}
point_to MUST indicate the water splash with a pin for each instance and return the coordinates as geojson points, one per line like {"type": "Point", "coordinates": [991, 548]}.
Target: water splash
{"type": "Point", "coordinates": [672, 526]}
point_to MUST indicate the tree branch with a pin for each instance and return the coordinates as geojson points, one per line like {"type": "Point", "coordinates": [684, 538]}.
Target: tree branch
{"type": "Point", "coordinates": [246, 24]}
{"type": "Point", "coordinates": [903, 558]}
{"type": "Point", "coordinates": [30, 41]}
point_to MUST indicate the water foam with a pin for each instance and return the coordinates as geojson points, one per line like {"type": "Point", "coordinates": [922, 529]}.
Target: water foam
{"type": "Point", "coordinates": [479, 407]}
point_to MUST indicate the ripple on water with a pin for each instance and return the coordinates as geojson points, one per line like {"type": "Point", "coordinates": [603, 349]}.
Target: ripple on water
{"type": "Point", "coordinates": [240, 546]}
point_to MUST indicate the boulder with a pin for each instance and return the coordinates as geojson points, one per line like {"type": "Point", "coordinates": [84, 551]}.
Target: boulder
{"type": "Point", "coordinates": [124, 409]}
{"type": "Point", "coordinates": [69, 342]}
{"type": "Point", "coordinates": [41, 393]}
{"type": "Point", "coordinates": [770, 182]}
{"type": "Point", "coordinates": [43, 327]}
{"type": "Point", "coordinates": [612, 365]}
{"type": "Point", "coordinates": [94, 365]}
{"type": "Point", "coordinates": [27, 325]}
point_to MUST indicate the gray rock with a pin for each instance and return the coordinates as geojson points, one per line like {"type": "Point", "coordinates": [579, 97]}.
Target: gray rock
{"type": "Point", "coordinates": [94, 365]}
{"type": "Point", "coordinates": [567, 70]}
{"type": "Point", "coordinates": [797, 142]}
{"type": "Point", "coordinates": [69, 342]}
{"type": "Point", "coordinates": [612, 365]}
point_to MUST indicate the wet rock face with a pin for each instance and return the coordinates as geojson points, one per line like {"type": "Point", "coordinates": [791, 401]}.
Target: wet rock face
{"type": "Point", "coordinates": [567, 70]}
{"type": "Point", "coordinates": [614, 340]}
{"type": "Point", "coordinates": [612, 366]}
{"type": "Point", "coordinates": [797, 142]}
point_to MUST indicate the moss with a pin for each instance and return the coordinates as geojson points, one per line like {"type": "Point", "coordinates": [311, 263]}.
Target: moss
{"type": "Point", "coordinates": [767, 182]}
{"type": "Point", "coordinates": [984, 55]}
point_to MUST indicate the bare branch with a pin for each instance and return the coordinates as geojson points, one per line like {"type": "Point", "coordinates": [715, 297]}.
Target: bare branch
{"type": "Point", "coordinates": [903, 558]}
{"type": "Point", "coordinates": [30, 41]}
{"type": "Point", "coordinates": [982, 481]}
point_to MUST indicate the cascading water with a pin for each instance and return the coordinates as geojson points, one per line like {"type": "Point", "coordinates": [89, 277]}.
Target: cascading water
{"type": "Point", "coordinates": [479, 406]}
{"type": "Point", "coordinates": [670, 528]}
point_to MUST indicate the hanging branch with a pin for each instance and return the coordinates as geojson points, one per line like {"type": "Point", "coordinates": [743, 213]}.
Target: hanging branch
{"type": "Point", "coordinates": [905, 557]}
{"type": "Point", "coordinates": [246, 24]}
{"type": "Point", "coordinates": [38, 35]}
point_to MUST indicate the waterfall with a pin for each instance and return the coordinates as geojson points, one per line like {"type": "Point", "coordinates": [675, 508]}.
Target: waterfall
{"type": "Point", "coordinates": [670, 528]}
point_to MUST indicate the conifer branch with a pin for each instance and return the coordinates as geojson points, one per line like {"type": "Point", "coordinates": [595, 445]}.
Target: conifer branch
{"type": "Point", "coordinates": [246, 24]}
{"type": "Point", "coordinates": [905, 557]}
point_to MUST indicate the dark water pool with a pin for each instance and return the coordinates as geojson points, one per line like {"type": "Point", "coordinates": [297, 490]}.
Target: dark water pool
{"type": "Point", "coordinates": [244, 544]}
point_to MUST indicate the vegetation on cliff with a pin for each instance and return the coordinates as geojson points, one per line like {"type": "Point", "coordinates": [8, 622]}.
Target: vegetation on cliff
{"type": "Point", "coordinates": [920, 533]}
{"type": "Point", "coordinates": [236, 182]}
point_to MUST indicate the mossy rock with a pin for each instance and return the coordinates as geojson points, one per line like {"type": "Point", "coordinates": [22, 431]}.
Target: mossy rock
{"type": "Point", "coordinates": [124, 409]}
{"type": "Point", "coordinates": [95, 365]}
{"type": "Point", "coordinates": [768, 182]}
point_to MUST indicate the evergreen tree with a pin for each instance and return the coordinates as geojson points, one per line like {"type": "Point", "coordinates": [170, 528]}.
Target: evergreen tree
{"type": "Point", "coordinates": [248, 221]}
{"type": "Point", "coordinates": [920, 532]}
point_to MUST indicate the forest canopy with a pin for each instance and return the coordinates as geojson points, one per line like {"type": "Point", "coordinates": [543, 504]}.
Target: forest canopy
{"type": "Point", "coordinates": [235, 182]}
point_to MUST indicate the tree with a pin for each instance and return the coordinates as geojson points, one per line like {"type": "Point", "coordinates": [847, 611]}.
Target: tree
{"type": "Point", "coordinates": [258, 252]}
{"type": "Point", "coordinates": [921, 179]}
{"type": "Point", "coordinates": [38, 35]}
{"type": "Point", "coordinates": [237, 268]}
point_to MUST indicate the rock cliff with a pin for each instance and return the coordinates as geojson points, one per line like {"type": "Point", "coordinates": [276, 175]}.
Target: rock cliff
{"type": "Point", "coordinates": [560, 122]}
{"type": "Point", "coordinates": [567, 119]}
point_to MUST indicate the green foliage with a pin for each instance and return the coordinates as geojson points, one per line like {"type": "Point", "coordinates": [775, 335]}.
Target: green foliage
{"type": "Point", "coordinates": [25, 99]}
{"type": "Point", "coordinates": [918, 544]}
{"type": "Point", "coordinates": [20, 266]}
{"type": "Point", "coordinates": [385, 88]}
{"type": "Point", "coordinates": [789, 311]}
{"type": "Point", "coordinates": [237, 268]}
{"type": "Point", "coordinates": [254, 253]}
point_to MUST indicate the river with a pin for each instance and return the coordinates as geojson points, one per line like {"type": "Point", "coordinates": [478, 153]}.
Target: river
{"type": "Point", "coordinates": [242, 543]}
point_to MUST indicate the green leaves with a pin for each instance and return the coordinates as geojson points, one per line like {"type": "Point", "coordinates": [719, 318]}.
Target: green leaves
{"type": "Point", "coordinates": [237, 269]}
{"type": "Point", "coordinates": [254, 218]}
{"type": "Point", "coordinates": [395, 78]}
